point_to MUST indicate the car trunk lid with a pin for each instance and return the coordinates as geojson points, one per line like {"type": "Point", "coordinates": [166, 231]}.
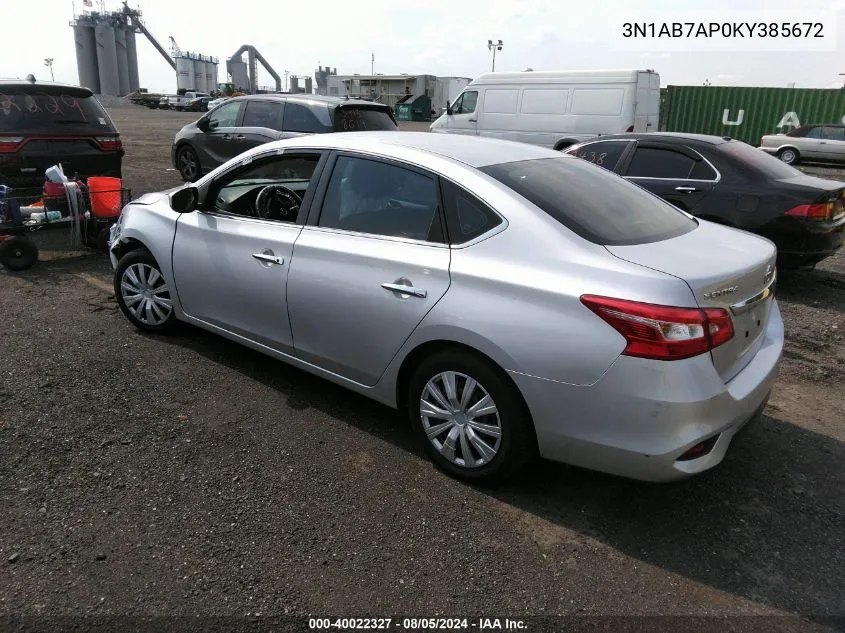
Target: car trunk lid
{"type": "Point", "coordinates": [724, 268]}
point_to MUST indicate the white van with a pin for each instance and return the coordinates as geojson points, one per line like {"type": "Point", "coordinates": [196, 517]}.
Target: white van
{"type": "Point", "coordinates": [555, 108]}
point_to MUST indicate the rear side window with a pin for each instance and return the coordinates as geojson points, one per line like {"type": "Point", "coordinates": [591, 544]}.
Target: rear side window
{"type": "Point", "coordinates": [604, 153]}
{"type": "Point", "coordinates": [651, 162]}
{"type": "Point", "coordinates": [300, 118]}
{"type": "Point", "coordinates": [594, 203]}
{"type": "Point", "coordinates": [758, 161]}
{"type": "Point", "coordinates": [349, 119]}
{"type": "Point", "coordinates": [466, 216]}
{"type": "Point", "coordinates": [263, 114]}
{"type": "Point", "coordinates": [54, 112]}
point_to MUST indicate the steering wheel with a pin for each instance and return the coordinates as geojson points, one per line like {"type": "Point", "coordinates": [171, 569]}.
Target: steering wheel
{"type": "Point", "coordinates": [277, 202]}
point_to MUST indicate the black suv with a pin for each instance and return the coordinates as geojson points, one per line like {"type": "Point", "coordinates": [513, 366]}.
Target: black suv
{"type": "Point", "coordinates": [42, 124]}
{"type": "Point", "coordinates": [241, 123]}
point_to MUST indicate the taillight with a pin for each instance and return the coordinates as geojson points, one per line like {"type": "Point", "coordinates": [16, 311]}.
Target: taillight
{"type": "Point", "coordinates": [817, 211]}
{"type": "Point", "coordinates": [109, 143]}
{"type": "Point", "coordinates": [630, 128]}
{"type": "Point", "coordinates": [9, 144]}
{"type": "Point", "coordinates": [663, 332]}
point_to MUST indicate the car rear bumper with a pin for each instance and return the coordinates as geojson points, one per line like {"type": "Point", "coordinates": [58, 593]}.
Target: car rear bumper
{"type": "Point", "coordinates": [804, 242]}
{"type": "Point", "coordinates": [642, 415]}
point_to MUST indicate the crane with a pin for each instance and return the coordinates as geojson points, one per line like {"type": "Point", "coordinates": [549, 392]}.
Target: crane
{"type": "Point", "coordinates": [175, 51]}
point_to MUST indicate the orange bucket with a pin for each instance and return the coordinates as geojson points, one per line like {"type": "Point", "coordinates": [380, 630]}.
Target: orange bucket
{"type": "Point", "coordinates": [105, 196]}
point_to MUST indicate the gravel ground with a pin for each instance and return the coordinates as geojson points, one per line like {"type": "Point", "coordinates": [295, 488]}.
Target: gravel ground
{"type": "Point", "coordinates": [187, 476]}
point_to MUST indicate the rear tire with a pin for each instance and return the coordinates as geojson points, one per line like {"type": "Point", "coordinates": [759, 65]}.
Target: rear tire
{"type": "Point", "coordinates": [789, 156]}
{"type": "Point", "coordinates": [484, 442]}
{"type": "Point", "coordinates": [142, 292]}
{"type": "Point", "coordinates": [18, 253]}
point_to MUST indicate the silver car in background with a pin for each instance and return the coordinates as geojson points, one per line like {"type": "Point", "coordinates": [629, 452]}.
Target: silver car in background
{"type": "Point", "coordinates": [510, 299]}
{"type": "Point", "coordinates": [808, 143]}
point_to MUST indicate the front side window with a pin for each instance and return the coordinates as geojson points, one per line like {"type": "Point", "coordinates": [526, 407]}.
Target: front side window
{"type": "Point", "coordinates": [465, 104]}
{"type": "Point", "coordinates": [268, 189]}
{"type": "Point", "coordinates": [225, 116]}
{"type": "Point", "coordinates": [369, 196]}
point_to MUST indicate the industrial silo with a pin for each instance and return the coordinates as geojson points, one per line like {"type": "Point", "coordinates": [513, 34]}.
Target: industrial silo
{"type": "Point", "coordinates": [132, 60]}
{"type": "Point", "coordinates": [107, 59]}
{"type": "Point", "coordinates": [184, 73]}
{"type": "Point", "coordinates": [86, 57]}
{"type": "Point", "coordinates": [210, 76]}
{"type": "Point", "coordinates": [237, 69]}
{"type": "Point", "coordinates": [309, 86]}
{"type": "Point", "coordinates": [122, 59]}
{"type": "Point", "coordinates": [199, 75]}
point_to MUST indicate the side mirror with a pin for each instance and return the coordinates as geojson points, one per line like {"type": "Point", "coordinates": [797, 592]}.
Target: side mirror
{"type": "Point", "coordinates": [184, 200]}
{"type": "Point", "coordinates": [202, 124]}
{"type": "Point", "coordinates": [449, 109]}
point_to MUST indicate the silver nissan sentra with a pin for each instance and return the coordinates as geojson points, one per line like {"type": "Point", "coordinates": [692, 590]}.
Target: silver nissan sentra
{"type": "Point", "coordinates": [512, 300]}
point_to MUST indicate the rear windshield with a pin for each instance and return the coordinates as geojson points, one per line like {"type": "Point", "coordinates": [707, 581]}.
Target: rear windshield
{"type": "Point", "coordinates": [761, 162]}
{"type": "Point", "coordinates": [352, 119]}
{"type": "Point", "coordinates": [51, 113]}
{"type": "Point", "coordinates": [598, 205]}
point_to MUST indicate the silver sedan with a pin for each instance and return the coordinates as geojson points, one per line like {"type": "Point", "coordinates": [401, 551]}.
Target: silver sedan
{"type": "Point", "coordinates": [512, 300]}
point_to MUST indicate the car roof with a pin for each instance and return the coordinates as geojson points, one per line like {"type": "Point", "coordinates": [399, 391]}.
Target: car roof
{"type": "Point", "coordinates": [50, 86]}
{"type": "Point", "coordinates": [307, 98]}
{"type": "Point", "coordinates": [474, 151]}
{"type": "Point", "coordinates": [679, 137]}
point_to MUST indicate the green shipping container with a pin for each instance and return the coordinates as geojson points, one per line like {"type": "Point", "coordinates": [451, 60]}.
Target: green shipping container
{"type": "Point", "coordinates": [747, 113]}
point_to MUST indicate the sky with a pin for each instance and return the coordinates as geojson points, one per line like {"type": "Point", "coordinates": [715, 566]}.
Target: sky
{"type": "Point", "coordinates": [449, 38]}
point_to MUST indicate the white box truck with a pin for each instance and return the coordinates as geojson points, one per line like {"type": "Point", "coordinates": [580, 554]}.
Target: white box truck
{"type": "Point", "coordinates": [555, 108]}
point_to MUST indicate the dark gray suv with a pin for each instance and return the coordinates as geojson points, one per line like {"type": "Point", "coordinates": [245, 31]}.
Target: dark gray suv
{"type": "Point", "coordinates": [241, 123]}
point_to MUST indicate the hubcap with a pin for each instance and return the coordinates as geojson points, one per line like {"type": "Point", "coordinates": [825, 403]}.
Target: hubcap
{"type": "Point", "coordinates": [145, 294]}
{"type": "Point", "coordinates": [788, 157]}
{"type": "Point", "coordinates": [460, 419]}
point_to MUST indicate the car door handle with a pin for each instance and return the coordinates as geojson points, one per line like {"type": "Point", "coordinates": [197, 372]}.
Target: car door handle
{"type": "Point", "coordinates": [271, 259]}
{"type": "Point", "coordinates": [239, 137]}
{"type": "Point", "coordinates": [686, 189]}
{"type": "Point", "coordinates": [473, 120]}
{"type": "Point", "coordinates": [407, 290]}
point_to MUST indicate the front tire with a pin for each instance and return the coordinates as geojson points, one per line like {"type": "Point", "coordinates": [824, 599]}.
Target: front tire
{"type": "Point", "coordinates": [469, 417]}
{"type": "Point", "coordinates": [188, 163]}
{"type": "Point", "coordinates": [789, 156]}
{"type": "Point", "coordinates": [142, 292]}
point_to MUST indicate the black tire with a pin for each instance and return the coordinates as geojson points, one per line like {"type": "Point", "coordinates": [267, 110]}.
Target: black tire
{"type": "Point", "coordinates": [18, 253]}
{"type": "Point", "coordinates": [516, 444]}
{"type": "Point", "coordinates": [135, 259]}
{"type": "Point", "coordinates": [188, 164]}
{"type": "Point", "coordinates": [790, 156]}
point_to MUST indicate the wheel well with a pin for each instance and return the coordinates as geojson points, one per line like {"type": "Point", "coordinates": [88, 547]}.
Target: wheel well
{"type": "Point", "coordinates": [128, 245]}
{"type": "Point", "coordinates": [421, 352]}
{"type": "Point", "coordinates": [561, 145]}
{"type": "Point", "coordinates": [792, 147]}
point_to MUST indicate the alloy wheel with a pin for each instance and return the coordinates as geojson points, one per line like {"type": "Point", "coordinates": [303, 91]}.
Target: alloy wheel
{"type": "Point", "coordinates": [188, 164]}
{"type": "Point", "coordinates": [145, 294]}
{"type": "Point", "coordinates": [460, 419]}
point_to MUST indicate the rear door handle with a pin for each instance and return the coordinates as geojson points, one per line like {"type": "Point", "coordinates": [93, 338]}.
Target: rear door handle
{"type": "Point", "coordinates": [270, 259]}
{"type": "Point", "coordinates": [227, 137]}
{"type": "Point", "coordinates": [407, 290]}
{"type": "Point", "coordinates": [240, 137]}
{"type": "Point", "coordinates": [473, 120]}
{"type": "Point", "coordinates": [686, 189]}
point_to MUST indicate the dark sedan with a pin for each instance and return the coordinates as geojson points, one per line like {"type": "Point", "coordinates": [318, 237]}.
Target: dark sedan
{"type": "Point", "coordinates": [731, 183]}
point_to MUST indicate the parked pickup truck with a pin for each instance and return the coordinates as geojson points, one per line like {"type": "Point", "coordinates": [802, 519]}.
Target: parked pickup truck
{"type": "Point", "coordinates": [192, 101]}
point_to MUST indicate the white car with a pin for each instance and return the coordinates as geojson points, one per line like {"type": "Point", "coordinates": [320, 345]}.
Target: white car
{"type": "Point", "coordinates": [814, 143]}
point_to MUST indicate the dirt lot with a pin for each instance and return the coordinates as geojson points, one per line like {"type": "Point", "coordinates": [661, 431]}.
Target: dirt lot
{"type": "Point", "coordinates": [187, 476]}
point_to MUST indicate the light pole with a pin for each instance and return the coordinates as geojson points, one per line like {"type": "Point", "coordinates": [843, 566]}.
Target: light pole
{"type": "Point", "coordinates": [494, 47]}
{"type": "Point", "coordinates": [48, 62]}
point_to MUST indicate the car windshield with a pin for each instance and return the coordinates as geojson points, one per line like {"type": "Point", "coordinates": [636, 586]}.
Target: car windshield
{"type": "Point", "coordinates": [359, 119]}
{"type": "Point", "coordinates": [598, 205]}
{"type": "Point", "coordinates": [57, 112]}
{"type": "Point", "coordinates": [758, 160]}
